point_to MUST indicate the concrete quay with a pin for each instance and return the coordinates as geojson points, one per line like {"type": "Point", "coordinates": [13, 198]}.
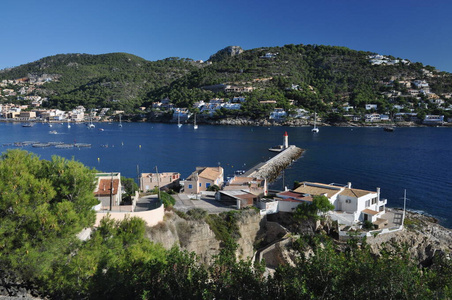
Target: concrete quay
{"type": "Point", "coordinates": [271, 169]}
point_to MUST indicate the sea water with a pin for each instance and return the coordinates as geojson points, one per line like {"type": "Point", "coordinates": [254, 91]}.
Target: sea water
{"type": "Point", "coordinates": [416, 159]}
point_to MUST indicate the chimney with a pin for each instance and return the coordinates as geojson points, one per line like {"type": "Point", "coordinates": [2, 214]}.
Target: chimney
{"type": "Point", "coordinates": [349, 185]}
{"type": "Point", "coordinates": [378, 194]}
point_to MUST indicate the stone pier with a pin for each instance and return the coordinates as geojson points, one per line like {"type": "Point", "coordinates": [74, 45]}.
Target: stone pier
{"type": "Point", "coordinates": [271, 169]}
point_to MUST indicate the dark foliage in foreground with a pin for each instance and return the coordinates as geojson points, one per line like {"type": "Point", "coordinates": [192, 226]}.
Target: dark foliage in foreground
{"type": "Point", "coordinates": [43, 204]}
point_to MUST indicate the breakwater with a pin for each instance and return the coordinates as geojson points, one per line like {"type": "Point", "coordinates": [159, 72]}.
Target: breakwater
{"type": "Point", "coordinates": [271, 169]}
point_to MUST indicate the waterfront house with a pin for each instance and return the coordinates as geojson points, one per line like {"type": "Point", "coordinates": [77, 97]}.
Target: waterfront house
{"type": "Point", "coordinates": [278, 114]}
{"type": "Point", "coordinates": [372, 117]}
{"type": "Point", "coordinates": [168, 180]}
{"type": "Point", "coordinates": [362, 205]}
{"type": "Point", "coordinates": [353, 205]}
{"type": "Point", "coordinates": [108, 189]}
{"type": "Point", "coordinates": [256, 186]}
{"type": "Point", "coordinates": [242, 191]}
{"type": "Point", "coordinates": [237, 198]}
{"type": "Point", "coordinates": [202, 178]}
{"type": "Point", "coordinates": [434, 120]}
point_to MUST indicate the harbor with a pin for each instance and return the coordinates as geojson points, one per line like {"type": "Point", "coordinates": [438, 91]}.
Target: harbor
{"type": "Point", "coordinates": [409, 158]}
{"type": "Point", "coordinates": [271, 169]}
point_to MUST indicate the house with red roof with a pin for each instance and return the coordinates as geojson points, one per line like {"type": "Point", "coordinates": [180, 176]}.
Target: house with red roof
{"type": "Point", "coordinates": [108, 190]}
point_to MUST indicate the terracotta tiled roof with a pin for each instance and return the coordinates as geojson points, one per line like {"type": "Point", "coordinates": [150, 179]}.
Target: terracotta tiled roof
{"type": "Point", "coordinates": [104, 187]}
{"type": "Point", "coordinates": [211, 173]}
{"type": "Point", "coordinates": [319, 189]}
{"type": "Point", "coordinates": [356, 192]}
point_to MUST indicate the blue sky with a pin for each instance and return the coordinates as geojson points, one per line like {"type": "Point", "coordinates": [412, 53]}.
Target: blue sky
{"type": "Point", "coordinates": [420, 31]}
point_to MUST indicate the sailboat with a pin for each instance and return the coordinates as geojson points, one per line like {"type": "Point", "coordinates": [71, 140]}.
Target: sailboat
{"type": "Point", "coordinates": [120, 123]}
{"type": "Point", "coordinates": [91, 125]}
{"type": "Point", "coordinates": [195, 126]}
{"type": "Point", "coordinates": [68, 124]}
{"type": "Point", "coordinates": [178, 120]}
{"type": "Point", "coordinates": [315, 129]}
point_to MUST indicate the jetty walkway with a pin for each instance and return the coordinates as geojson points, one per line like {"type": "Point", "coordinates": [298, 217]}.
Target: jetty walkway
{"type": "Point", "coordinates": [271, 169]}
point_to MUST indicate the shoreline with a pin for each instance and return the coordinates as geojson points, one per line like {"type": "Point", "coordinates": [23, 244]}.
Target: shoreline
{"type": "Point", "coordinates": [250, 122]}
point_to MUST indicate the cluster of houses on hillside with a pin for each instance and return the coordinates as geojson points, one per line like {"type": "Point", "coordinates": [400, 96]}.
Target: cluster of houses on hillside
{"type": "Point", "coordinates": [377, 59]}
{"type": "Point", "coordinates": [16, 112]}
{"type": "Point", "coordinates": [399, 92]}
{"type": "Point", "coordinates": [279, 114]}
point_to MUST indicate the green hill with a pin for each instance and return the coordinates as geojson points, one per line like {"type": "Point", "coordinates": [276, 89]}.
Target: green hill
{"type": "Point", "coordinates": [315, 77]}
{"type": "Point", "coordinates": [117, 80]}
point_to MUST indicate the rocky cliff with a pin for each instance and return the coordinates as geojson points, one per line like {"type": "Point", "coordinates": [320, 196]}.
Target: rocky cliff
{"type": "Point", "coordinates": [196, 235]}
{"type": "Point", "coordinates": [422, 236]}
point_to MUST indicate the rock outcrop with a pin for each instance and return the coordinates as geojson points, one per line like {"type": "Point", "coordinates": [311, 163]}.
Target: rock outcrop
{"type": "Point", "coordinates": [423, 237]}
{"type": "Point", "coordinates": [196, 235]}
{"type": "Point", "coordinates": [225, 53]}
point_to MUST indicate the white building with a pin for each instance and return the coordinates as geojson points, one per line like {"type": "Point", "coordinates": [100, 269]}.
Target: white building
{"type": "Point", "coordinates": [364, 205]}
{"type": "Point", "coordinates": [371, 106]}
{"type": "Point", "coordinates": [278, 114]}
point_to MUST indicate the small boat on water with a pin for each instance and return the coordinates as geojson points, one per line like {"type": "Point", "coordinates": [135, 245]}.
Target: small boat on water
{"type": "Point", "coordinates": [27, 125]}
{"type": "Point", "coordinates": [277, 148]}
{"type": "Point", "coordinates": [53, 132]}
{"type": "Point", "coordinates": [388, 129]}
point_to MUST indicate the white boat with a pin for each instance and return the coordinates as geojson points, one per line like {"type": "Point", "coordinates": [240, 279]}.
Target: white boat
{"type": "Point", "coordinates": [68, 124]}
{"type": "Point", "coordinates": [120, 123]}
{"type": "Point", "coordinates": [277, 148]}
{"type": "Point", "coordinates": [53, 132]}
{"type": "Point", "coordinates": [315, 129]}
{"type": "Point", "coordinates": [195, 126]}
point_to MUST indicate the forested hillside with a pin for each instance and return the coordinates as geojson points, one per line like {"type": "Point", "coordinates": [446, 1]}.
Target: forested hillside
{"type": "Point", "coordinates": [116, 80]}
{"type": "Point", "coordinates": [313, 77]}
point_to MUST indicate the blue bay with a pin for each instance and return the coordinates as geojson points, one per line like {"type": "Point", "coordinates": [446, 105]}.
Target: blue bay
{"type": "Point", "coordinates": [416, 159]}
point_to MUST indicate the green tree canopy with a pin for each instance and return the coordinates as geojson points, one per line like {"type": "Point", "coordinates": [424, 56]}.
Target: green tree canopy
{"type": "Point", "coordinates": [41, 202]}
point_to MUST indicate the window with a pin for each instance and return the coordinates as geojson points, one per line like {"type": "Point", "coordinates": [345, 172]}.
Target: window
{"type": "Point", "coordinates": [190, 186]}
{"type": "Point", "coordinates": [207, 184]}
{"type": "Point", "coordinates": [374, 200]}
{"type": "Point", "coordinates": [200, 184]}
{"type": "Point", "coordinates": [348, 201]}
{"type": "Point", "coordinates": [367, 203]}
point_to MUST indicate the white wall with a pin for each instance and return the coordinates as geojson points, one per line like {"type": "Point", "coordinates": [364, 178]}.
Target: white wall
{"type": "Point", "coordinates": [151, 217]}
